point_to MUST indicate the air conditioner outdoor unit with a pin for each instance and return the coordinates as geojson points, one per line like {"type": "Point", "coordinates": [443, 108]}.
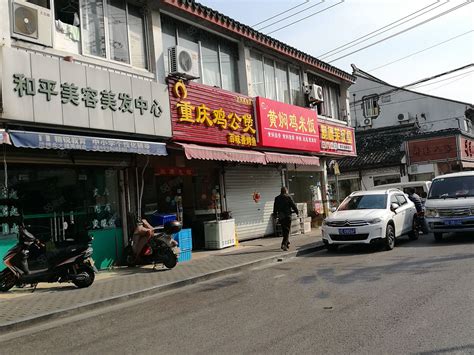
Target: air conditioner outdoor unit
{"type": "Point", "coordinates": [183, 62]}
{"type": "Point", "coordinates": [314, 92]}
{"type": "Point", "coordinates": [366, 122]}
{"type": "Point", "coordinates": [403, 117]}
{"type": "Point", "coordinates": [31, 23]}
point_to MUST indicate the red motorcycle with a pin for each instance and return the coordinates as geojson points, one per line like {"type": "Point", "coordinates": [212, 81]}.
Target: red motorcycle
{"type": "Point", "coordinates": [153, 245]}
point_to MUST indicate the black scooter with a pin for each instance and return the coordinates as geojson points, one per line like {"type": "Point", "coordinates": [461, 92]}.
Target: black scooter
{"type": "Point", "coordinates": [70, 264]}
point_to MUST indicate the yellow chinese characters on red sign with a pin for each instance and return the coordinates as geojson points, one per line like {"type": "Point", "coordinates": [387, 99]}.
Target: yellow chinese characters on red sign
{"type": "Point", "coordinates": [240, 127]}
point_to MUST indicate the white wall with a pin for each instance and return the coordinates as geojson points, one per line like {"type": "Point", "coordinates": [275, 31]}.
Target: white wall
{"type": "Point", "coordinates": [438, 113]}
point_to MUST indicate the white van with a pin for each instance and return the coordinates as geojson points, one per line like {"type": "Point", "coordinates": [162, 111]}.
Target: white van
{"type": "Point", "coordinates": [421, 187]}
{"type": "Point", "coordinates": [450, 204]}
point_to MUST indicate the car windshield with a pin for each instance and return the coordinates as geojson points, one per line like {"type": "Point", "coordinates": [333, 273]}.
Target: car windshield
{"type": "Point", "coordinates": [453, 187]}
{"type": "Point", "coordinates": [364, 202]}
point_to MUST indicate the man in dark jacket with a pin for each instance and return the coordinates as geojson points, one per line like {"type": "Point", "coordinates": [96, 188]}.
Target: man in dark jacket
{"type": "Point", "coordinates": [415, 199]}
{"type": "Point", "coordinates": [282, 208]}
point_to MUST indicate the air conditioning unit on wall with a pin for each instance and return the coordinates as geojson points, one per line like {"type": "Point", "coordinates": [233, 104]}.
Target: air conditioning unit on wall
{"type": "Point", "coordinates": [403, 117]}
{"type": "Point", "coordinates": [183, 62]}
{"type": "Point", "coordinates": [314, 92]}
{"type": "Point", "coordinates": [31, 23]}
{"type": "Point", "coordinates": [366, 122]}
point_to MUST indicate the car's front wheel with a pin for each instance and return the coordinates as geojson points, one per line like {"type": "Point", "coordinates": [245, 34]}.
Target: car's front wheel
{"type": "Point", "coordinates": [390, 237]}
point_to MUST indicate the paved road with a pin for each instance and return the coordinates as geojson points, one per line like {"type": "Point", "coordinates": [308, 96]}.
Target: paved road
{"type": "Point", "coordinates": [418, 298]}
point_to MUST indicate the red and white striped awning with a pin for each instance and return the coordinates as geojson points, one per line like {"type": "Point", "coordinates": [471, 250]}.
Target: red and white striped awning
{"type": "Point", "coordinates": [291, 159]}
{"type": "Point", "coordinates": [194, 151]}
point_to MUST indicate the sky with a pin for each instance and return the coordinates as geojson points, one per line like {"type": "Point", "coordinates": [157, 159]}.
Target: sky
{"type": "Point", "coordinates": [347, 20]}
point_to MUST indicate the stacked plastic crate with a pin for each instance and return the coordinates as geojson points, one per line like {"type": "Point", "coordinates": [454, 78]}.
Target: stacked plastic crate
{"type": "Point", "coordinates": [185, 244]}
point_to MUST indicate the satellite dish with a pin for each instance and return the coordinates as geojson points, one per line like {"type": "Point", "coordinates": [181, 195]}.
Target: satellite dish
{"type": "Point", "coordinates": [26, 21]}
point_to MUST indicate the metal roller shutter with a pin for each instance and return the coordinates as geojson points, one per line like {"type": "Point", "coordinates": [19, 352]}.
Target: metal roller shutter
{"type": "Point", "coordinates": [252, 219]}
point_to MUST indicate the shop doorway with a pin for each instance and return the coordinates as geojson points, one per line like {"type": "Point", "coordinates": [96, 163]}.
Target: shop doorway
{"type": "Point", "coordinates": [65, 204]}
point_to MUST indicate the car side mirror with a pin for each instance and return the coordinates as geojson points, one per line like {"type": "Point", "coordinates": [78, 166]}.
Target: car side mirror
{"type": "Point", "coordinates": [394, 207]}
{"type": "Point", "coordinates": [333, 209]}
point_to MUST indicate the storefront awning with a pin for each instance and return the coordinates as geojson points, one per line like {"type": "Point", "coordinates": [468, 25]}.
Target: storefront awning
{"type": "Point", "coordinates": [193, 151]}
{"type": "Point", "coordinates": [26, 139]}
{"type": "Point", "coordinates": [291, 159]}
{"type": "Point", "coordinates": [4, 137]}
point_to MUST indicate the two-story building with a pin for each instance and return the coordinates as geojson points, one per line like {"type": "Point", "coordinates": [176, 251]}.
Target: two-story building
{"type": "Point", "coordinates": [113, 109]}
{"type": "Point", "coordinates": [386, 117]}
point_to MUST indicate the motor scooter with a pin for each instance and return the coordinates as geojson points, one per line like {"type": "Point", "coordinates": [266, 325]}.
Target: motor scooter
{"type": "Point", "coordinates": [70, 264]}
{"type": "Point", "coordinates": [153, 245]}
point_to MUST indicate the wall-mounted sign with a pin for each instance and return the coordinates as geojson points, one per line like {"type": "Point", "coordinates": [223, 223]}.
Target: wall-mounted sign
{"type": "Point", "coordinates": [173, 171]}
{"type": "Point", "coordinates": [287, 126]}
{"type": "Point", "coordinates": [48, 90]}
{"type": "Point", "coordinates": [206, 114]}
{"type": "Point", "coordinates": [337, 140]}
{"type": "Point", "coordinates": [432, 149]}
{"type": "Point", "coordinates": [466, 148]}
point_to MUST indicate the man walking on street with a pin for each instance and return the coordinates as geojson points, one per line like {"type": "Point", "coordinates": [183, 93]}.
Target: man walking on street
{"type": "Point", "coordinates": [282, 208]}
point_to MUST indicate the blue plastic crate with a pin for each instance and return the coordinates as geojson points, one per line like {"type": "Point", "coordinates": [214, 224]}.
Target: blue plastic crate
{"type": "Point", "coordinates": [158, 219]}
{"type": "Point", "coordinates": [184, 256]}
{"type": "Point", "coordinates": [184, 239]}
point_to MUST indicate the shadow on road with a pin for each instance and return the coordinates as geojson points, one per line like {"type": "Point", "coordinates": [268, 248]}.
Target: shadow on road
{"type": "Point", "coordinates": [467, 349]}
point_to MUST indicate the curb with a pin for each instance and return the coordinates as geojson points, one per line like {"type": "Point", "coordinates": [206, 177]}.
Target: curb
{"type": "Point", "coordinates": [63, 313]}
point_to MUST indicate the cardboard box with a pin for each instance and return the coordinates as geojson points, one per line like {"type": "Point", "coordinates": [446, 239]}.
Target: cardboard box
{"type": "Point", "coordinates": [307, 227]}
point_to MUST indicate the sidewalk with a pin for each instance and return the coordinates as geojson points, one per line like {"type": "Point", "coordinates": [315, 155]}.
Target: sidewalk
{"type": "Point", "coordinates": [21, 308]}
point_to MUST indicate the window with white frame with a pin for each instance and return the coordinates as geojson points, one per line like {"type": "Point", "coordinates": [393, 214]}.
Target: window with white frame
{"type": "Point", "coordinates": [217, 56]}
{"type": "Point", "coordinates": [114, 29]}
{"type": "Point", "coordinates": [370, 106]}
{"type": "Point", "coordinates": [110, 29]}
{"type": "Point", "coordinates": [275, 80]}
{"type": "Point", "coordinates": [331, 94]}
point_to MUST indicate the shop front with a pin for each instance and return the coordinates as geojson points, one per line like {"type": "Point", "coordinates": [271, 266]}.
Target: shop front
{"type": "Point", "coordinates": [214, 135]}
{"type": "Point", "coordinates": [292, 129]}
{"type": "Point", "coordinates": [68, 171]}
{"type": "Point", "coordinates": [434, 154]}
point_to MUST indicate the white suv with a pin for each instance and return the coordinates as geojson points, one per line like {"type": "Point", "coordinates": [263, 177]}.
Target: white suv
{"type": "Point", "coordinates": [450, 204]}
{"type": "Point", "coordinates": [366, 217]}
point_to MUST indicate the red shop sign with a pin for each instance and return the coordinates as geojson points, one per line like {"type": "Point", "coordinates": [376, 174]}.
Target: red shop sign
{"type": "Point", "coordinates": [287, 126]}
{"type": "Point", "coordinates": [432, 149]}
{"type": "Point", "coordinates": [337, 140]}
{"type": "Point", "coordinates": [467, 149]}
{"type": "Point", "coordinates": [173, 171]}
{"type": "Point", "coordinates": [205, 114]}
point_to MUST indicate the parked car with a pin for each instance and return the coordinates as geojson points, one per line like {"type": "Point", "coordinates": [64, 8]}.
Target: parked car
{"type": "Point", "coordinates": [421, 187]}
{"type": "Point", "coordinates": [368, 217]}
{"type": "Point", "coordinates": [450, 204]}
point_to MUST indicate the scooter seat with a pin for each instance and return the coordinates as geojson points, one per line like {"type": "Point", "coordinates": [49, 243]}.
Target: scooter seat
{"type": "Point", "coordinates": [63, 253]}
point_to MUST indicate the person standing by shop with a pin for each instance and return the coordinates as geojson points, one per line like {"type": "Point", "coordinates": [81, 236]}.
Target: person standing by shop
{"type": "Point", "coordinates": [282, 209]}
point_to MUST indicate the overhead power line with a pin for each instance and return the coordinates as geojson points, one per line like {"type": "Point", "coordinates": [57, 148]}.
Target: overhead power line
{"type": "Point", "coordinates": [292, 15]}
{"type": "Point", "coordinates": [306, 17]}
{"type": "Point", "coordinates": [439, 81]}
{"type": "Point", "coordinates": [420, 51]}
{"type": "Point", "coordinates": [281, 13]}
{"type": "Point", "coordinates": [468, 2]}
{"type": "Point", "coordinates": [416, 82]}
{"type": "Point", "coordinates": [327, 54]}
{"type": "Point", "coordinates": [450, 82]}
